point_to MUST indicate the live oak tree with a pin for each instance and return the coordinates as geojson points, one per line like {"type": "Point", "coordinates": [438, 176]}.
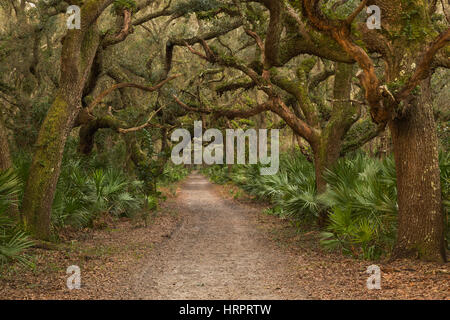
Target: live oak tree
{"type": "Point", "coordinates": [81, 66]}
{"type": "Point", "coordinates": [294, 103]}
{"type": "Point", "coordinates": [79, 51]}
{"type": "Point", "coordinates": [5, 156]}
{"type": "Point", "coordinates": [412, 47]}
{"type": "Point", "coordinates": [266, 49]}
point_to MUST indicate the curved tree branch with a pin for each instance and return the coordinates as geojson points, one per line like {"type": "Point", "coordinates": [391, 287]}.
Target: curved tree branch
{"type": "Point", "coordinates": [102, 95]}
{"type": "Point", "coordinates": [424, 64]}
{"type": "Point", "coordinates": [228, 113]}
{"type": "Point", "coordinates": [122, 34]}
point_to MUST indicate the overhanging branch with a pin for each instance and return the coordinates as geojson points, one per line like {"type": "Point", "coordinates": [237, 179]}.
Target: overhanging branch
{"type": "Point", "coordinates": [102, 95]}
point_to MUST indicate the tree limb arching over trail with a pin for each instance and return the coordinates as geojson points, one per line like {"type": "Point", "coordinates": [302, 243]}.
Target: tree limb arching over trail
{"type": "Point", "coordinates": [87, 115]}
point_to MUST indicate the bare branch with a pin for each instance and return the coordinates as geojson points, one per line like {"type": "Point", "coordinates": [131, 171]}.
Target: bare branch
{"type": "Point", "coordinates": [355, 13]}
{"type": "Point", "coordinates": [362, 140]}
{"type": "Point", "coordinates": [259, 43]}
{"type": "Point", "coordinates": [102, 95]}
{"type": "Point", "coordinates": [123, 33]}
{"type": "Point", "coordinates": [300, 25]}
{"type": "Point", "coordinates": [185, 106]}
{"type": "Point", "coordinates": [341, 33]}
{"type": "Point", "coordinates": [198, 53]}
{"type": "Point", "coordinates": [166, 11]}
{"type": "Point", "coordinates": [228, 113]}
{"type": "Point", "coordinates": [445, 11]}
{"type": "Point", "coordinates": [191, 41]}
{"type": "Point", "coordinates": [347, 100]}
{"type": "Point", "coordinates": [143, 126]}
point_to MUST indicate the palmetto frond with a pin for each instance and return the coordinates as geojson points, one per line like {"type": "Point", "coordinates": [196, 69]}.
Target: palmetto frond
{"type": "Point", "coordinates": [13, 241]}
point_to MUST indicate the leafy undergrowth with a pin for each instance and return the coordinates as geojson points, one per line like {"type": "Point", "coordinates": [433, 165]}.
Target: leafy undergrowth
{"type": "Point", "coordinates": [361, 198]}
{"type": "Point", "coordinates": [331, 275]}
{"type": "Point", "coordinates": [107, 258]}
{"type": "Point", "coordinates": [13, 241]}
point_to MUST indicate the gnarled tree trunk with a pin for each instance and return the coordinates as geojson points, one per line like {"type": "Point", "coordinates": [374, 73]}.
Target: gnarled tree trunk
{"type": "Point", "coordinates": [328, 147]}
{"type": "Point", "coordinates": [420, 216]}
{"type": "Point", "coordinates": [5, 156]}
{"type": "Point", "coordinates": [6, 163]}
{"type": "Point", "coordinates": [77, 55]}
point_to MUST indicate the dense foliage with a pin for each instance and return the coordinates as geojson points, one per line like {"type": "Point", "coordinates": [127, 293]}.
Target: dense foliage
{"type": "Point", "coordinates": [86, 115]}
{"type": "Point", "coordinates": [13, 241]}
{"type": "Point", "coordinates": [360, 198]}
{"type": "Point", "coordinates": [88, 191]}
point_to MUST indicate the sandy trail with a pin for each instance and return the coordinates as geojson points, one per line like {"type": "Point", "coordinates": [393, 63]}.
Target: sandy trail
{"type": "Point", "coordinates": [217, 253]}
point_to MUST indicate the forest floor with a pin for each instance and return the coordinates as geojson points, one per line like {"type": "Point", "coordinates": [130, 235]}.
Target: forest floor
{"type": "Point", "coordinates": [213, 242]}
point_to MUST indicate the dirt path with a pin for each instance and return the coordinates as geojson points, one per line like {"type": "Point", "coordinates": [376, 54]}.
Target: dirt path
{"type": "Point", "coordinates": [217, 253]}
{"type": "Point", "coordinates": [204, 245]}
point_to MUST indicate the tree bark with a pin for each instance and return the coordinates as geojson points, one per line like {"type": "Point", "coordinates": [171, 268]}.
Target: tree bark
{"type": "Point", "coordinates": [326, 153]}
{"type": "Point", "coordinates": [5, 164]}
{"type": "Point", "coordinates": [77, 56]}
{"type": "Point", "coordinates": [5, 156]}
{"type": "Point", "coordinates": [328, 148]}
{"type": "Point", "coordinates": [420, 216]}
